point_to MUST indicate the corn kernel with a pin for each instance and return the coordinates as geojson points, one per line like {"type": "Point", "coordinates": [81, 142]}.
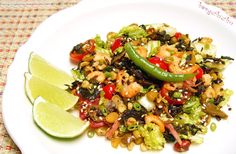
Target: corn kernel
{"type": "Point", "coordinates": [143, 147]}
{"type": "Point", "coordinates": [112, 117]}
{"type": "Point", "coordinates": [130, 146]}
{"type": "Point", "coordinates": [130, 106]}
{"type": "Point", "coordinates": [121, 107]}
{"type": "Point", "coordinates": [115, 142]}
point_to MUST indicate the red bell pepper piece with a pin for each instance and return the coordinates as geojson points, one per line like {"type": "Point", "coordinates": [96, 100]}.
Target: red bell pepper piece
{"type": "Point", "coordinates": [159, 62]}
{"type": "Point", "coordinates": [109, 91]}
{"type": "Point", "coordinates": [116, 44]}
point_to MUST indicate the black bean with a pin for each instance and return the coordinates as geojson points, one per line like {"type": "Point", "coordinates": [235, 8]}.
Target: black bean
{"type": "Point", "coordinates": [168, 136]}
{"type": "Point", "coordinates": [166, 37]}
{"type": "Point", "coordinates": [188, 58]}
{"type": "Point", "coordinates": [217, 81]}
{"type": "Point", "coordinates": [143, 26]}
{"type": "Point", "coordinates": [162, 32]}
{"type": "Point", "coordinates": [174, 110]}
{"type": "Point", "coordinates": [138, 115]}
{"type": "Point", "coordinates": [218, 100]}
{"type": "Point", "coordinates": [89, 94]}
{"type": "Point", "coordinates": [77, 48]}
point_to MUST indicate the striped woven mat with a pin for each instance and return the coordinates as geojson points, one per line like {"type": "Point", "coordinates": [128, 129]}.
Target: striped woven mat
{"type": "Point", "coordinates": [19, 18]}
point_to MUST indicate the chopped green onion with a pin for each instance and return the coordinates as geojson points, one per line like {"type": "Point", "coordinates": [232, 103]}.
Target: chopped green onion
{"type": "Point", "coordinates": [213, 126]}
{"type": "Point", "coordinates": [132, 127]}
{"type": "Point", "coordinates": [137, 106]}
{"type": "Point", "coordinates": [172, 52]}
{"type": "Point", "coordinates": [77, 74]}
{"type": "Point", "coordinates": [108, 69]}
{"type": "Point", "coordinates": [145, 90]}
{"type": "Point", "coordinates": [206, 46]}
{"type": "Point", "coordinates": [122, 128]}
{"type": "Point", "coordinates": [103, 110]}
{"type": "Point", "coordinates": [119, 50]}
{"type": "Point", "coordinates": [177, 94]}
{"type": "Point", "coordinates": [90, 133]}
{"type": "Point", "coordinates": [211, 100]}
{"type": "Point", "coordinates": [107, 74]}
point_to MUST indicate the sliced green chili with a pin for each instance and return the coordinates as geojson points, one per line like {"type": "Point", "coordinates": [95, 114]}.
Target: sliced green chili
{"type": "Point", "coordinates": [103, 110]}
{"type": "Point", "coordinates": [137, 106]}
{"type": "Point", "coordinates": [152, 69]}
{"type": "Point", "coordinates": [122, 128]}
{"type": "Point", "coordinates": [213, 126]}
{"type": "Point", "coordinates": [132, 127]}
{"type": "Point", "coordinates": [177, 94]}
{"type": "Point", "coordinates": [90, 133]}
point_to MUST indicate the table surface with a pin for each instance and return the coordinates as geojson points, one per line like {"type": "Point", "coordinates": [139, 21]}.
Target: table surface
{"type": "Point", "coordinates": [19, 19]}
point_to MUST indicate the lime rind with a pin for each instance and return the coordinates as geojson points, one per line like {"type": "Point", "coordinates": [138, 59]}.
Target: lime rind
{"type": "Point", "coordinates": [27, 88]}
{"type": "Point", "coordinates": [57, 122]}
{"type": "Point", "coordinates": [39, 67]}
{"type": "Point", "coordinates": [36, 87]}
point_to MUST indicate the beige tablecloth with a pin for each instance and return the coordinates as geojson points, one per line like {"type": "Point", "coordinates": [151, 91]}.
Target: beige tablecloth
{"type": "Point", "coordinates": [19, 18]}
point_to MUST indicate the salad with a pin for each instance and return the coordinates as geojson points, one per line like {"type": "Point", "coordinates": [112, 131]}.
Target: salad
{"type": "Point", "coordinates": [149, 85]}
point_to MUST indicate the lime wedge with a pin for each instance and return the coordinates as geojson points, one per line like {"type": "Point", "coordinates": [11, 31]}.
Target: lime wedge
{"type": "Point", "coordinates": [57, 122]}
{"type": "Point", "coordinates": [41, 68]}
{"type": "Point", "coordinates": [36, 87]}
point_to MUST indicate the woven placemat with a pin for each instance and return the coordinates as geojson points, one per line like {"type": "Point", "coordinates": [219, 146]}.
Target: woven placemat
{"type": "Point", "coordinates": [19, 18]}
{"type": "Point", "coordinates": [229, 6]}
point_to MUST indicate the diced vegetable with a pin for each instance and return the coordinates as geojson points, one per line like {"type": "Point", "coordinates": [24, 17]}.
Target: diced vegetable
{"type": "Point", "coordinates": [148, 85]}
{"type": "Point", "coordinates": [227, 94]}
{"type": "Point", "coordinates": [133, 31]}
{"type": "Point", "coordinates": [152, 47]}
{"type": "Point", "coordinates": [148, 105]}
{"type": "Point", "coordinates": [191, 105]}
{"type": "Point", "coordinates": [153, 138]}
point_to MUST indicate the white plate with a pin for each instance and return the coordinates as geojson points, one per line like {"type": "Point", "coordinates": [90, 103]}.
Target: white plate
{"type": "Point", "coordinates": [57, 35]}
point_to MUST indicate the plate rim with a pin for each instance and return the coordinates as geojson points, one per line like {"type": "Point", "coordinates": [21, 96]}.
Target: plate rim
{"type": "Point", "coordinates": [66, 12]}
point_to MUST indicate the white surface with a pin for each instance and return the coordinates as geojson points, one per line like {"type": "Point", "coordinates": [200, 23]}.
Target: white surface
{"type": "Point", "coordinates": [55, 38]}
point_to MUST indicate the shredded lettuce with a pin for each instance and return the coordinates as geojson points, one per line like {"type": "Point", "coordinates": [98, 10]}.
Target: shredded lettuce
{"type": "Point", "coordinates": [156, 26]}
{"type": "Point", "coordinates": [227, 94]}
{"type": "Point", "coordinates": [163, 27]}
{"type": "Point", "coordinates": [205, 48]}
{"type": "Point", "coordinates": [102, 50]}
{"type": "Point", "coordinates": [133, 31]}
{"type": "Point", "coordinates": [189, 122]}
{"type": "Point", "coordinates": [198, 138]}
{"type": "Point", "coordinates": [152, 47]}
{"type": "Point", "coordinates": [168, 29]}
{"type": "Point", "coordinates": [100, 46]}
{"type": "Point", "coordinates": [192, 118]}
{"type": "Point", "coordinates": [99, 42]}
{"type": "Point", "coordinates": [191, 105]}
{"type": "Point", "coordinates": [183, 60]}
{"type": "Point", "coordinates": [153, 138]}
{"type": "Point", "coordinates": [198, 58]}
{"type": "Point", "coordinates": [103, 100]}
{"type": "Point", "coordinates": [77, 74]}
{"type": "Point", "coordinates": [148, 105]}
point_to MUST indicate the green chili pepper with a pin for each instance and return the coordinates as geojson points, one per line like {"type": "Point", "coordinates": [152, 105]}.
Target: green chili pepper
{"type": "Point", "coordinates": [152, 69]}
